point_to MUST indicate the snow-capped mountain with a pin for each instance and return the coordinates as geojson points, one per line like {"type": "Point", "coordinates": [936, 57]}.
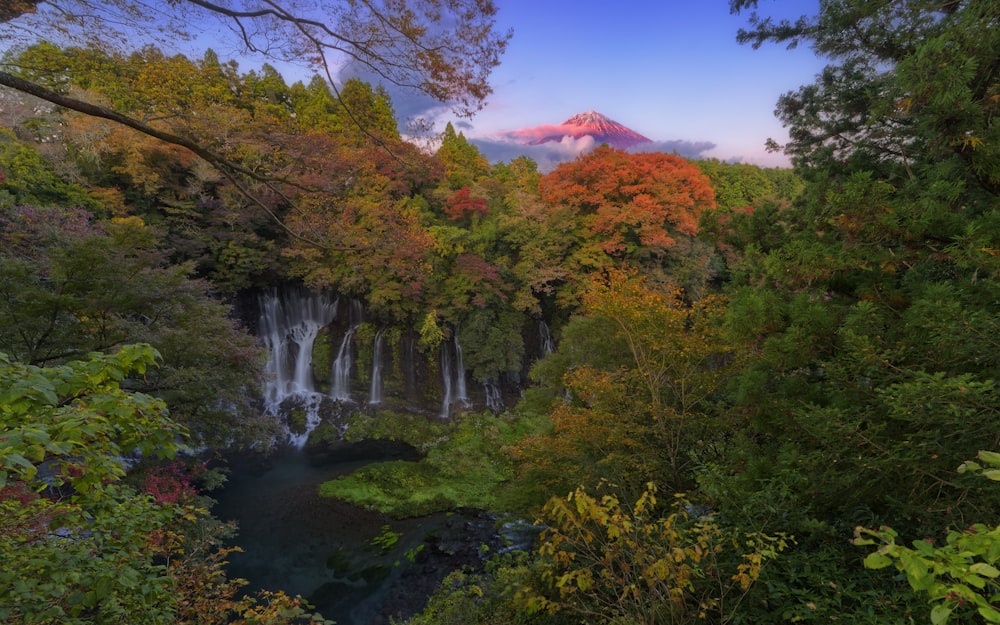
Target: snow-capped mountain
{"type": "Point", "coordinates": [591, 123]}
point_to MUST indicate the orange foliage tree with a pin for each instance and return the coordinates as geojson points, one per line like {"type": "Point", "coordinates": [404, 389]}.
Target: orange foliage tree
{"type": "Point", "coordinates": [633, 205]}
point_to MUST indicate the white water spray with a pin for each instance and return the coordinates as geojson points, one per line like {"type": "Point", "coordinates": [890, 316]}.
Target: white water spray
{"type": "Point", "coordinates": [290, 320]}
{"type": "Point", "coordinates": [461, 394]}
{"type": "Point", "coordinates": [375, 390]}
{"type": "Point", "coordinates": [547, 344]}
{"type": "Point", "coordinates": [340, 374]}
{"type": "Point", "coordinates": [446, 381]}
{"type": "Point", "coordinates": [494, 399]}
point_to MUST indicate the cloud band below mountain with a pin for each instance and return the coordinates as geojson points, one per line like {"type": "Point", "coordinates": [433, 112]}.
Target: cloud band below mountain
{"type": "Point", "coordinates": [503, 148]}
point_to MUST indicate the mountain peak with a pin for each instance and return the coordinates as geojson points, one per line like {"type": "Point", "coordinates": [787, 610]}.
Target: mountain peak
{"type": "Point", "coordinates": [590, 117]}
{"type": "Point", "coordinates": [590, 123]}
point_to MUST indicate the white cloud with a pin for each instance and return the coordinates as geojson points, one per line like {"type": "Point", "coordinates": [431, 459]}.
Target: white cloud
{"type": "Point", "coordinates": [546, 155]}
{"type": "Point", "coordinates": [549, 155]}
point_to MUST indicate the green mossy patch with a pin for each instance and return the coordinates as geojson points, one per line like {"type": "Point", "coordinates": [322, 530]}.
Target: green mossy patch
{"type": "Point", "coordinates": [322, 358]}
{"type": "Point", "coordinates": [297, 421]}
{"type": "Point", "coordinates": [466, 466]}
{"type": "Point", "coordinates": [324, 433]}
{"type": "Point", "coordinates": [416, 430]}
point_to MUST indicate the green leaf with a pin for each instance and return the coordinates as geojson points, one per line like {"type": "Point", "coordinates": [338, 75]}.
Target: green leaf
{"type": "Point", "coordinates": [984, 569]}
{"type": "Point", "coordinates": [917, 574]}
{"type": "Point", "coordinates": [993, 474]}
{"type": "Point", "coordinates": [102, 587]}
{"type": "Point", "coordinates": [877, 560]}
{"type": "Point", "coordinates": [29, 468]}
{"type": "Point", "coordinates": [990, 614]}
{"type": "Point", "coordinates": [990, 457]}
{"type": "Point", "coordinates": [975, 580]}
{"type": "Point", "coordinates": [940, 614]}
{"type": "Point", "coordinates": [969, 465]}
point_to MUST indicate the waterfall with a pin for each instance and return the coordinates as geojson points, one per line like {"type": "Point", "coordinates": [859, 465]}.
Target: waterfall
{"type": "Point", "coordinates": [340, 375]}
{"type": "Point", "coordinates": [375, 391]}
{"type": "Point", "coordinates": [494, 400]}
{"type": "Point", "coordinates": [461, 395]}
{"type": "Point", "coordinates": [453, 378]}
{"type": "Point", "coordinates": [340, 371]}
{"type": "Point", "coordinates": [289, 323]}
{"type": "Point", "coordinates": [290, 320]}
{"type": "Point", "coordinates": [547, 345]}
{"type": "Point", "coordinates": [446, 381]}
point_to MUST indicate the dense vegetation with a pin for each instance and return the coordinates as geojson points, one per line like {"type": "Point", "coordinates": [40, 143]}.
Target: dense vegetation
{"type": "Point", "coordinates": [753, 366]}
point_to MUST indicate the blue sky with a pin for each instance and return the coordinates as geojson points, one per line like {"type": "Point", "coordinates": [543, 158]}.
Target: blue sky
{"type": "Point", "coordinates": [670, 70]}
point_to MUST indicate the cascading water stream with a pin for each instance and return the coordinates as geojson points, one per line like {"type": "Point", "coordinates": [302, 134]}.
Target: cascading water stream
{"type": "Point", "coordinates": [375, 390]}
{"type": "Point", "coordinates": [290, 320]}
{"type": "Point", "coordinates": [340, 374]}
{"type": "Point", "coordinates": [461, 394]}
{"type": "Point", "coordinates": [494, 399]}
{"type": "Point", "coordinates": [453, 378]}
{"type": "Point", "coordinates": [547, 344]}
{"type": "Point", "coordinates": [340, 371]}
{"type": "Point", "coordinates": [446, 381]}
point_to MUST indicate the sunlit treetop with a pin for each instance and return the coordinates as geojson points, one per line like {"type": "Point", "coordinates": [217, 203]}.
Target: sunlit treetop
{"type": "Point", "coordinates": [632, 202]}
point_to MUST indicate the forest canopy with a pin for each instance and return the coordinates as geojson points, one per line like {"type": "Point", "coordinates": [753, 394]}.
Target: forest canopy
{"type": "Point", "coordinates": [741, 369]}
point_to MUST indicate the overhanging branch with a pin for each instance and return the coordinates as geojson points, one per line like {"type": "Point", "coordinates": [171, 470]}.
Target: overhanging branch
{"type": "Point", "coordinates": [231, 170]}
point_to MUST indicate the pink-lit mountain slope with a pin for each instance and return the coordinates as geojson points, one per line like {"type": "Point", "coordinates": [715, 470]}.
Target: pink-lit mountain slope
{"type": "Point", "coordinates": [591, 124]}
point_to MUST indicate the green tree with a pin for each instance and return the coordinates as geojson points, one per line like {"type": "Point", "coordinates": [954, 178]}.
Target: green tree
{"type": "Point", "coordinates": [203, 216]}
{"type": "Point", "coordinates": [870, 298]}
{"type": "Point", "coordinates": [911, 92]}
{"type": "Point", "coordinates": [368, 112]}
{"type": "Point", "coordinates": [71, 286]}
{"type": "Point", "coordinates": [84, 558]}
{"type": "Point", "coordinates": [463, 164]}
{"type": "Point", "coordinates": [468, 598]}
{"type": "Point", "coordinates": [740, 185]}
{"type": "Point", "coordinates": [445, 51]}
{"type": "Point", "coordinates": [27, 178]}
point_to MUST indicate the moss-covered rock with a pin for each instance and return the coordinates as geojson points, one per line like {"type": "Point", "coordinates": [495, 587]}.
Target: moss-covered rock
{"type": "Point", "coordinates": [322, 358]}
{"type": "Point", "coordinates": [323, 434]}
{"type": "Point", "coordinates": [297, 421]}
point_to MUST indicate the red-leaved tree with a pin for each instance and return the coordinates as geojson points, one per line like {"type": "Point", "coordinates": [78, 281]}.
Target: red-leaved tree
{"type": "Point", "coordinates": [634, 205]}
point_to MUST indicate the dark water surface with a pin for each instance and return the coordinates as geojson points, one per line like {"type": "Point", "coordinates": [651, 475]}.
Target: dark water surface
{"type": "Point", "coordinates": [323, 549]}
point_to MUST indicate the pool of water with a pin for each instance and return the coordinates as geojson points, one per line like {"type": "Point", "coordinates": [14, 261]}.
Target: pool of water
{"type": "Point", "coordinates": [326, 550]}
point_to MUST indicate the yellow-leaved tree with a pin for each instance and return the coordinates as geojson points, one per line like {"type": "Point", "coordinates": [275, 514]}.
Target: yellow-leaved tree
{"type": "Point", "coordinates": [647, 563]}
{"type": "Point", "coordinates": [642, 373]}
